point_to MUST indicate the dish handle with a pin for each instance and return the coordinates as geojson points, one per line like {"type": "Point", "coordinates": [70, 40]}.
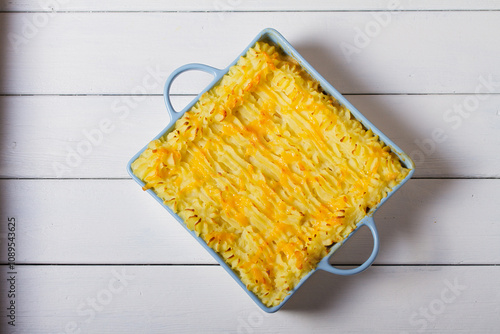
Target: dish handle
{"type": "Point", "coordinates": [326, 266]}
{"type": "Point", "coordinates": [217, 73]}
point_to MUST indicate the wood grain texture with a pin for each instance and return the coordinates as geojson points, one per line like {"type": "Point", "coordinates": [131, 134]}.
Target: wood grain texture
{"type": "Point", "coordinates": [241, 5]}
{"type": "Point", "coordinates": [113, 53]}
{"type": "Point", "coordinates": [113, 221]}
{"type": "Point", "coordinates": [80, 93]}
{"type": "Point", "coordinates": [179, 299]}
{"type": "Point", "coordinates": [63, 136]}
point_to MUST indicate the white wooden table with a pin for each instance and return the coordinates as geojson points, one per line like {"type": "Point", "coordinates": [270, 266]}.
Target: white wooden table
{"type": "Point", "coordinates": [81, 85]}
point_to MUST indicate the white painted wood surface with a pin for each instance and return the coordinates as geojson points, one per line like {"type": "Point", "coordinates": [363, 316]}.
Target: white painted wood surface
{"type": "Point", "coordinates": [243, 5]}
{"type": "Point", "coordinates": [62, 135]}
{"type": "Point", "coordinates": [187, 299]}
{"type": "Point", "coordinates": [113, 221]}
{"type": "Point", "coordinates": [414, 52]}
{"type": "Point", "coordinates": [80, 93]}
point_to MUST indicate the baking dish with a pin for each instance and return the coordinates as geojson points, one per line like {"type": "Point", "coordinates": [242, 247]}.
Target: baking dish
{"type": "Point", "coordinates": [273, 37]}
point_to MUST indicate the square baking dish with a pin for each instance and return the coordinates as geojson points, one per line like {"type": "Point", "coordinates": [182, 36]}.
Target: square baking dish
{"type": "Point", "coordinates": [271, 36]}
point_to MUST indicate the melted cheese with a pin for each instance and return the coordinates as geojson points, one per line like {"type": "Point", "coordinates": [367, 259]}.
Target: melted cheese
{"type": "Point", "coordinates": [269, 171]}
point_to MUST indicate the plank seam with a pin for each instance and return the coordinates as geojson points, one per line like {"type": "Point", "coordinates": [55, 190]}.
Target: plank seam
{"type": "Point", "coordinates": [194, 95]}
{"type": "Point", "coordinates": [217, 265]}
{"type": "Point", "coordinates": [244, 11]}
{"type": "Point", "coordinates": [129, 178]}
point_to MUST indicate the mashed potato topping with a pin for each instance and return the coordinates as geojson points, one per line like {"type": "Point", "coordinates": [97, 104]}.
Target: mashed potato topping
{"type": "Point", "coordinates": [269, 171]}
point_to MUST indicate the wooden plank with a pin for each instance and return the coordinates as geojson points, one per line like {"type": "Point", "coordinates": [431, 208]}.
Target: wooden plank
{"type": "Point", "coordinates": [178, 299]}
{"type": "Point", "coordinates": [112, 221]}
{"type": "Point", "coordinates": [126, 49]}
{"type": "Point", "coordinates": [94, 137]}
{"type": "Point", "coordinates": [113, 53]}
{"type": "Point", "coordinates": [239, 5]}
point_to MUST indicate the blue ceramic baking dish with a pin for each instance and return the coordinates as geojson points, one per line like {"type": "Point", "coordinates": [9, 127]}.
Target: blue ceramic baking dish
{"type": "Point", "coordinates": [273, 37]}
